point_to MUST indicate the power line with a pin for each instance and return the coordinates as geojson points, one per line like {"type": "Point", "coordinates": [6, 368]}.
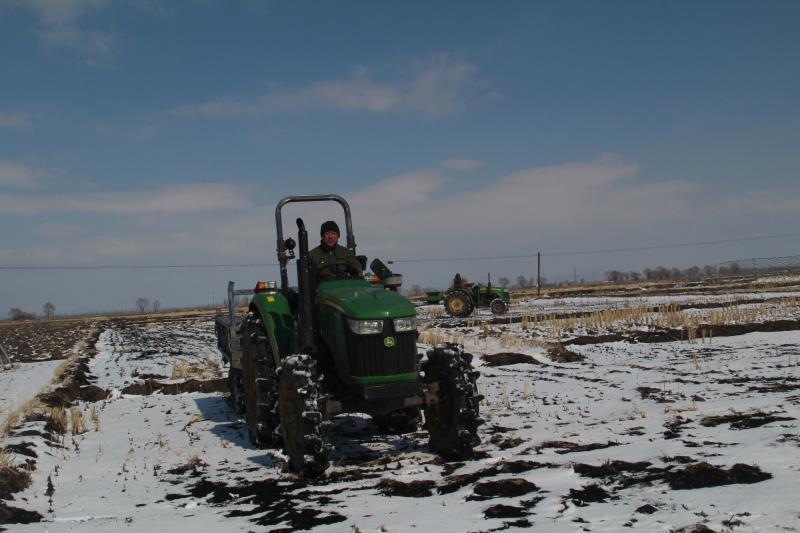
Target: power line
{"type": "Point", "coordinates": [678, 245]}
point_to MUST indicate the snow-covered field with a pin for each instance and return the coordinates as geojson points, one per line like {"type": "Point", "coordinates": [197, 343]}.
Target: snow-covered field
{"type": "Point", "coordinates": [20, 382]}
{"type": "Point", "coordinates": [654, 435]}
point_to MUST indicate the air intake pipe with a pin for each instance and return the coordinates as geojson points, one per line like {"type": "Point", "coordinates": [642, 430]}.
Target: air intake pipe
{"type": "Point", "coordinates": [389, 279]}
{"type": "Point", "coordinates": [307, 287]}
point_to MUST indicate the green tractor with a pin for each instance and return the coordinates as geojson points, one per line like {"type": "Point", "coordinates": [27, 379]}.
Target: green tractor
{"type": "Point", "coordinates": [462, 297]}
{"type": "Point", "coordinates": [302, 355]}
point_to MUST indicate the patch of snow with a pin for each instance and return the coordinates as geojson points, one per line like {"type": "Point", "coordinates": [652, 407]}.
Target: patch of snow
{"type": "Point", "coordinates": [21, 382]}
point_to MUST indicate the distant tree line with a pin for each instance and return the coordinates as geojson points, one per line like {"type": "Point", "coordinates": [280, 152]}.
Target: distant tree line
{"type": "Point", "coordinates": [143, 303]}
{"type": "Point", "coordinates": [48, 309]}
{"type": "Point", "coordinates": [661, 273]}
{"type": "Point", "coordinates": [18, 314]}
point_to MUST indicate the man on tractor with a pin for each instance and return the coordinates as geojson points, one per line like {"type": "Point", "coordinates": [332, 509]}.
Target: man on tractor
{"type": "Point", "coordinates": [459, 282]}
{"type": "Point", "coordinates": [331, 260]}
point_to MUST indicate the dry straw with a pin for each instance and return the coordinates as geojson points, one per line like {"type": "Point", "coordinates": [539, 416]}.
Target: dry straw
{"type": "Point", "coordinates": [58, 419]}
{"type": "Point", "coordinates": [180, 369]}
{"type": "Point", "coordinates": [639, 313]}
{"type": "Point", "coordinates": [435, 312]}
{"type": "Point", "coordinates": [76, 421]}
{"type": "Point", "coordinates": [207, 368]}
{"type": "Point", "coordinates": [6, 459]}
{"type": "Point", "coordinates": [95, 418]}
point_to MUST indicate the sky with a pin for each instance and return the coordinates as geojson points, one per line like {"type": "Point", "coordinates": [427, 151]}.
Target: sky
{"type": "Point", "coordinates": [147, 132]}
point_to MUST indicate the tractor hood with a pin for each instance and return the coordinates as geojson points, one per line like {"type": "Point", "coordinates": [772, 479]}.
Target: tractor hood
{"type": "Point", "coordinates": [363, 300]}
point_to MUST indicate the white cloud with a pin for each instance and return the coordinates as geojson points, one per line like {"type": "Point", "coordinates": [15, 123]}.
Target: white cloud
{"type": "Point", "coordinates": [60, 26]}
{"type": "Point", "coordinates": [509, 210]}
{"type": "Point", "coordinates": [60, 29]}
{"type": "Point", "coordinates": [437, 84]}
{"type": "Point", "coordinates": [60, 12]}
{"type": "Point", "coordinates": [190, 198]}
{"type": "Point", "coordinates": [225, 236]}
{"type": "Point", "coordinates": [94, 47]}
{"type": "Point", "coordinates": [14, 120]}
{"type": "Point", "coordinates": [771, 201]}
{"type": "Point", "coordinates": [18, 176]}
{"type": "Point", "coordinates": [433, 86]}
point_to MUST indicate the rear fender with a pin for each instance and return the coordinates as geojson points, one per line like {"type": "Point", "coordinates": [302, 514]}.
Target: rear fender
{"type": "Point", "coordinates": [273, 308]}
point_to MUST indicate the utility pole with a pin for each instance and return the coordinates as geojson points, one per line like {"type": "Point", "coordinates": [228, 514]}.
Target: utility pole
{"type": "Point", "coordinates": [538, 274]}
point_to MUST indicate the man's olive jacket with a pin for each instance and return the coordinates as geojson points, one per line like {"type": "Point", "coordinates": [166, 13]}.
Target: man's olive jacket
{"type": "Point", "coordinates": [331, 263]}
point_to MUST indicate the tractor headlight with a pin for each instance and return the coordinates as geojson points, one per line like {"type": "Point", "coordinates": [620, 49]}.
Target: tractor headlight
{"type": "Point", "coordinates": [365, 327]}
{"type": "Point", "coordinates": [405, 324]}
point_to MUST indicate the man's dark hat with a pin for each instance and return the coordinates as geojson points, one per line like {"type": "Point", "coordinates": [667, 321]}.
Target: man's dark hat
{"type": "Point", "coordinates": [330, 225]}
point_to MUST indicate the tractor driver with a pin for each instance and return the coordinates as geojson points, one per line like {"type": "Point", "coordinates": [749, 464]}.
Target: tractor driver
{"type": "Point", "coordinates": [330, 260]}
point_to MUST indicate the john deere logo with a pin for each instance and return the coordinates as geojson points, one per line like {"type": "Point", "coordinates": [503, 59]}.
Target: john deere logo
{"type": "Point", "coordinates": [388, 342]}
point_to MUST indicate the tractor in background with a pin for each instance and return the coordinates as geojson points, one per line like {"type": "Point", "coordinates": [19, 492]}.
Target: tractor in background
{"type": "Point", "coordinates": [463, 297]}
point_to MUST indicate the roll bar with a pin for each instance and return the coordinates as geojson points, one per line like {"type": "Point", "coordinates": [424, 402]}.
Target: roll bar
{"type": "Point", "coordinates": [282, 258]}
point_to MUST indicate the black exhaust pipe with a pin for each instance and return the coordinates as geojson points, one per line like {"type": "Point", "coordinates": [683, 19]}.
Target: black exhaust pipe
{"type": "Point", "coordinates": [306, 287]}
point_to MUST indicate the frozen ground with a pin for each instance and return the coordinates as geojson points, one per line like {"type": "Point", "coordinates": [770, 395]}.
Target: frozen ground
{"type": "Point", "coordinates": [648, 436]}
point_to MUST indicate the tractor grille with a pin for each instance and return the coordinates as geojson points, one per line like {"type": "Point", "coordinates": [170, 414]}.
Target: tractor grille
{"type": "Point", "coordinates": [369, 357]}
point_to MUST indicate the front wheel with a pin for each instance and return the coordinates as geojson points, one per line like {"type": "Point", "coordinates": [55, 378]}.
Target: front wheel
{"type": "Point", "coordinates": [451, 415]}
{"type": "Point", "coordinates": [302, 426]}
{"type": "Point", "coordinates": [498, 306]}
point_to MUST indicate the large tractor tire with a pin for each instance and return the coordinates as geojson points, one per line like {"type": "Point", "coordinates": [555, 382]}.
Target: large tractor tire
{"type": "Point", "coordinates": [458, 303]}
{"type": "Point", "coordinates": [259, 382]}
{"type": "Point", "coordinates": [400, 422]}
{"type": "Point", "coordinates": [452, 420]}
{"type": "Point", "coordinates": [302, 426]}
{"type": "Point", "coordinates": [498, 306]}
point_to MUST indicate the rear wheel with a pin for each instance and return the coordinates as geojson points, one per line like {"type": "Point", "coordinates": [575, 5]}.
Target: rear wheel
{"type": "Point", "coordinates": [498, 306]}
{"type": "Point", "coordinates": [452, 420]}
{"type": "Point", "coordinates": [302, 426]}
{"type": "Point", "coordinates": [458, 303]}
{"type": "Point", "coordinates": [259, 383]}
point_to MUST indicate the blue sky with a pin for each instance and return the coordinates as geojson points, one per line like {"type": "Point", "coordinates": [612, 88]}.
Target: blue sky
{"type": "Point", "coordinates": [140, 132]}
